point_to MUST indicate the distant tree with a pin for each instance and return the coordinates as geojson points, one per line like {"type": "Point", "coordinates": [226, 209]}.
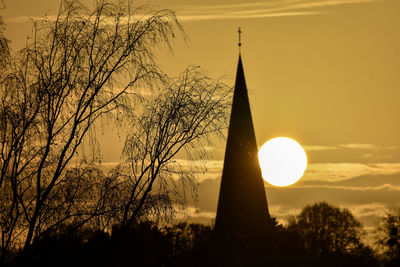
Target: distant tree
{"type": "Point", "coordinates": [141, 244]}
{"type": "Point", "coordinates": [77, 67]}
{"type": "Point", "coordinates": [285, 241]}
{"type": "Point", "coordinates": [67, 246]}
{"type": "Point", "coordinates": [190, 242]}
{"type": "Point", "coordinates": [187, 237]}
{"type": "Point", "coordinates": [326, 230]}
{"type": "Point", "coordinates": [388, 237]}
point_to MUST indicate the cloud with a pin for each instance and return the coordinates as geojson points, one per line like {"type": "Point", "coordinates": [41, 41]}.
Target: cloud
{"type": "Point", "coordinates": [19, 19]}
{"type": "Point", "coordinates": [193, 214]}
{"type": "Point", "coordinates": [348, 146]}
{"type": "Point", "coordinates": [343, 171]}
{"type": "Point", "coordinates": [251, 10]}
{"type": "Point", "coordinates": [265, 9]}
{"type": "Point", "coordinates": [301, 196]}
{"type": "Point", "coordinates": [359, 146]}
{"type": "Point", "coordinates": [359, 181]}
{"type": "Point", "coordinates": [210, 163]}
{"type": "Point", "coordinates": [384, 187]}
{"type": "Point", "coordinates": [319, 148]}
{"type": "Point", "coordinates": [283, 212]}
{"type": "Point", "coordinates": [223, 16]}
{"type": "Point", "coordinates": [202, 169]}
{"type": "Point", "coordinates": [374, 209]}
{"type": "Point", "coordinates": [196, 213]}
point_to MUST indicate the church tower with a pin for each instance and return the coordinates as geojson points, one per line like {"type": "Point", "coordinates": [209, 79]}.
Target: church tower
{"type": "Point", "coordinates": [242, 205]}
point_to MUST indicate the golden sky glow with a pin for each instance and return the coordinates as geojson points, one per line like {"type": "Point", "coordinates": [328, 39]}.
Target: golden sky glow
{"type": "Point", "coordinates": [325, 73]}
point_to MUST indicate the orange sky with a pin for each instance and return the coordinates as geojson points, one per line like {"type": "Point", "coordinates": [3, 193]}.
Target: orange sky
{"type": "Point", "coordinates": [325, 73]}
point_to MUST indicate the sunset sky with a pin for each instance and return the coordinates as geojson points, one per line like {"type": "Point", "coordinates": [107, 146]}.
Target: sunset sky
{"type": "Point", "coordinates": [323, 72]}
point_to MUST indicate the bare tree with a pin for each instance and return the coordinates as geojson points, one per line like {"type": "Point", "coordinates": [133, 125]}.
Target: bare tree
{"type": "Point", "coordinates": [79, 65]}
{"type": "Point", "coordinates": [177, 121]}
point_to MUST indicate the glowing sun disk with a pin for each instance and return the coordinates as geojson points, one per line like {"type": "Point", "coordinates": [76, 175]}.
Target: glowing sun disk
{"type": "Point", "coordinates": [283, 161]}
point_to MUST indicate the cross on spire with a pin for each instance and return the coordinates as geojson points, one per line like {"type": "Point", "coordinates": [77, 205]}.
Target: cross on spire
{"type": "Point", "coordinates": [240, 41]}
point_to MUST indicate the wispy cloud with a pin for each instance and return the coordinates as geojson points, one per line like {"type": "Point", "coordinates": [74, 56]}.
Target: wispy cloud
{"type": "Point", "coordinates": [359, 146]}
{"type": "Point", "coordinates": [223, 16]}
{"type": "Point", "coordinates": [196, 215]}
{"type": "Point", "coordinates": [354, 146]}
{"type": "Point", "coordinates": [362, 210]}
{"type": "Point", "coordinates": [343, 171]}
{"type": "Point", "coordinates": [202, 165]}
{"type": "Point", "coordinates": [265, 9]}
{"type": "Point", "coordinates": [384, 187]}
{"type": "Point", "coordinates": [19, 19]}
{"type": "Point", "coordinates": [251, 10]}
{"type": "Point", "coordinates": [320, 148]}
{"type": "Point", "coordinates": [283, 212]}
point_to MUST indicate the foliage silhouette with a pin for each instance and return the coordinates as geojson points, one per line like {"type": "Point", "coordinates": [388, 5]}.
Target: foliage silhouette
{"type": "Point", "coordinates": [331, 236]}
{"type": "Point", "coordinates": [388, 238]}
{"type": "Point", "coordinates": [327, 229]}
{"type": "Point", "coordinates": [143, 244]}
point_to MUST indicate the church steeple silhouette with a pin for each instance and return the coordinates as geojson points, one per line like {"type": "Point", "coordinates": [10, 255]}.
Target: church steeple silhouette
{"type": "Point", "coordinates": [242, 205]}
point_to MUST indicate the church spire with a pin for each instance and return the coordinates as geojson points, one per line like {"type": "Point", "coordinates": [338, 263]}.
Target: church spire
{"type": "Point", "coordinates": [242, 205]}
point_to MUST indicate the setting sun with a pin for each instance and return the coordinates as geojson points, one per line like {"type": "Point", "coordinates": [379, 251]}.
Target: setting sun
{"type": "Point", "coordinates": [282, 161]}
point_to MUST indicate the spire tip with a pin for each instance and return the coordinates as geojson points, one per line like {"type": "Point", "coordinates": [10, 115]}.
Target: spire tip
{"type": "Point", "coordinates": [240, 41]}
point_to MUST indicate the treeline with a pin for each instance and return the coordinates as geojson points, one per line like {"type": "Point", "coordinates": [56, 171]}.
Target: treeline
{"type": "Point", "coordinates": [321, 235]}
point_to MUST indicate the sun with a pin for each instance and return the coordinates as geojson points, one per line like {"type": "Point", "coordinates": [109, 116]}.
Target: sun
{"type": "Point", "coordinates": [283, 161]}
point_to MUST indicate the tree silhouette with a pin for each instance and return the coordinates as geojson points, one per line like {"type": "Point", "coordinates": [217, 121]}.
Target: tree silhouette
{"type": "Point", "coordinates": [76, 68]}
{"type": "Point", "coordinates": [325, 230]}
{"type": "Point", "coordinates": [388, 237]}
